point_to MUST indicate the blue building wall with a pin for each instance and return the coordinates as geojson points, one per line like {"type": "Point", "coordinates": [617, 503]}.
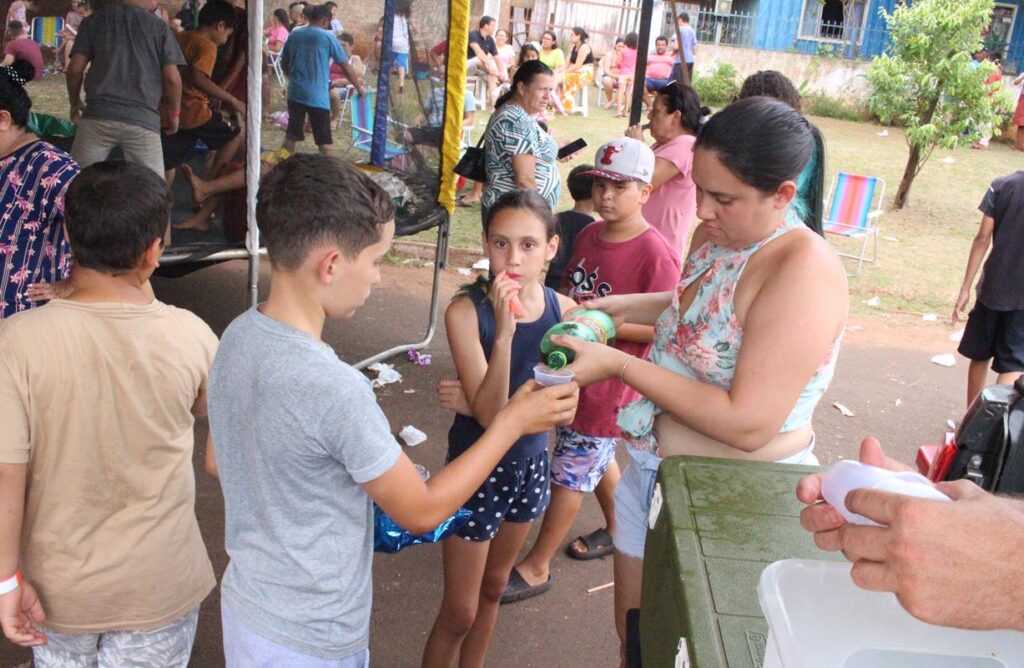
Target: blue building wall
{"type": "Point", "coordinates": [782, 35]}
{"type": "Point", "coordinates": [1013, 59]}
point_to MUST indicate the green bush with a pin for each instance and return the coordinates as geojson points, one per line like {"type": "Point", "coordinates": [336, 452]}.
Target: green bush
{"type": "Point", "coordinates": [819, 104]}
{"type": "Point", "coordinates": [718, 87]}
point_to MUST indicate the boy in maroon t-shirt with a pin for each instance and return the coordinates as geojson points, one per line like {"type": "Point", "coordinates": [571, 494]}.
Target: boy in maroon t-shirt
{"type": "Point", "coordinates": [21, 47]}
{"type": "Point", "coordinates": [619, 254]}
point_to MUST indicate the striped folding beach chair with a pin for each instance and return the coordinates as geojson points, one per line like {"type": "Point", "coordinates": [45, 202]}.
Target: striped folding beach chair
{"type": "Point", "coordinates": [46, 31]}
{"type": "Point", "coordinates": [853, 212]}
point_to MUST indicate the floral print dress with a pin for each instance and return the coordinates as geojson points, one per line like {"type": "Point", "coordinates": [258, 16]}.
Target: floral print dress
{"type": "Point", "coordinates": [33, 182]}
{"type": "Point", "coordinates": [703, 343]}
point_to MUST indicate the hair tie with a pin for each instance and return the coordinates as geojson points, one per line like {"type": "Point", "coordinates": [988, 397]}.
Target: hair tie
{"type": "Point", "coordinates": [14, 76]}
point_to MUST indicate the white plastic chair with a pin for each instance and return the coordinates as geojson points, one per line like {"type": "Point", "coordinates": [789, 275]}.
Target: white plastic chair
{"type": "Point", "coordinates": [274, 60]}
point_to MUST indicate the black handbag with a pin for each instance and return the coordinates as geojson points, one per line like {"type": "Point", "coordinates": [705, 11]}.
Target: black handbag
{"type": "Point", "coordinates": [471, 164]}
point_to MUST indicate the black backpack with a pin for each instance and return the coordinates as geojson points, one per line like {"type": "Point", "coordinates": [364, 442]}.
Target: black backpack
{"type": "Point", "coordinates": [988, 448]}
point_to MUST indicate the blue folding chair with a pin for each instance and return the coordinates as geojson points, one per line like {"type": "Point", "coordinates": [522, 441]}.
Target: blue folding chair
{"type": "Point", "coordinates": [362, 109]}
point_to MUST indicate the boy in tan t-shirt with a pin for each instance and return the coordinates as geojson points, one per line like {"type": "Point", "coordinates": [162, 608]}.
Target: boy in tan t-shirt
{"type": "Point", "coordinates": [98, 398]}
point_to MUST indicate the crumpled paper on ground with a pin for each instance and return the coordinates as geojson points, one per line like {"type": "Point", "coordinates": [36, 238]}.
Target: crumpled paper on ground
{"type": "Point", "coordinates": [412, 436]}
{"type": "Point", "coordinates": [386, 374]}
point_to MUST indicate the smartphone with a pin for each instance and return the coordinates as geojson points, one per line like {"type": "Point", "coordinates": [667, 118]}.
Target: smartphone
{"type": "Point", "coordinates": [572, 147]}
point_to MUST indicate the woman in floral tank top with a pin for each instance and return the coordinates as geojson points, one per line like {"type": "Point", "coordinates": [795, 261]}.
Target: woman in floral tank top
{"type": "Point", "coordinates": [747, 343]}
{"type": "Point", "coordinates": [34, 176]}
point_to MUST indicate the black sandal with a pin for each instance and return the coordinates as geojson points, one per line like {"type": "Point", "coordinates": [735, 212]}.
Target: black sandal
{"type": "Point", "coordinates": [519, 589]}
{"type": "Point", "coordinates": [599, 543]}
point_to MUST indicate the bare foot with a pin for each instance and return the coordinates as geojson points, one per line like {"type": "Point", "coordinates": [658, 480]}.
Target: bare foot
{"type": "Point", "coordinates": [196, 184]}
{"type": "Point", "coordinates": [199, 223]}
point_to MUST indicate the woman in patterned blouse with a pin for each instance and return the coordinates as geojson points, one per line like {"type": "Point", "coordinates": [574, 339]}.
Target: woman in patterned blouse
{"type": "Point", "coordinates": [518, 153]}
{"type": "Point", "coordinates": [34, 177]}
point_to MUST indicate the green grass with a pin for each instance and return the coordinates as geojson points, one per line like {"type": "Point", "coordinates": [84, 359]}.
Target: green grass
{"type": "Point", "coordinates": [919, 272]}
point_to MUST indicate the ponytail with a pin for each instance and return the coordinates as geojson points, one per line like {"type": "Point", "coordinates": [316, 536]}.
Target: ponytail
{"type": "Point", "coordinates": [809, 202]}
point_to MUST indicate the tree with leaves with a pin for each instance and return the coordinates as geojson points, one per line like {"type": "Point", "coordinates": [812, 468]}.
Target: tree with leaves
{"type": "Point", "coordinates": [927, 82]}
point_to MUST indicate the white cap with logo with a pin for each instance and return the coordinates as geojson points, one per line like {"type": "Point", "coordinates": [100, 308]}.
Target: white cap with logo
{"type": "Point", "coordinates": [624, 159]}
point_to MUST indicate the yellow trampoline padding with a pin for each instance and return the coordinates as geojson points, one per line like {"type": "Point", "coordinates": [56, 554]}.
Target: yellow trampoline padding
{"type": "Point", "coordinates": [455, 90]}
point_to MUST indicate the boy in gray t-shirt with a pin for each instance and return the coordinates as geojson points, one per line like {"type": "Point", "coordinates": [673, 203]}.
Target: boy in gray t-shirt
{"type": "Point", "coordinates": [302, 448]}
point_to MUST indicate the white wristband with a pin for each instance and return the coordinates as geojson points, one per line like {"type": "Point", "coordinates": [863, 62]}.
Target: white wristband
{"type": "Point", "coordinates": [10, 584]}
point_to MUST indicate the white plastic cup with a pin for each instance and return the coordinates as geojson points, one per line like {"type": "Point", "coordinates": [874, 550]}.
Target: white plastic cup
{"type": "Point", "coordinates": [847, 475]}
{"type": "Point", "coordinates": [547, 377]}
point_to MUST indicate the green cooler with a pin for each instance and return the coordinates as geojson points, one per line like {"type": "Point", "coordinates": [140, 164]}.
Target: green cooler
{"type": "Point", "coordinates": [720, 524]}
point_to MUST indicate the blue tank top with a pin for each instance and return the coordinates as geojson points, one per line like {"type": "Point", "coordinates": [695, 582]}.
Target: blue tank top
{"type": "Point", "coordinates": [465, 431]}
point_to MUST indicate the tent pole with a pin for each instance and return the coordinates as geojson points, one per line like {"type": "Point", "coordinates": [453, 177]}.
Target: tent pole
{"type": "Point", "coordinates": [639, 74]}
{"type": "Point", "coordinates": [378, 150]}
{"type": "Point", "coordinates": [253, 127]}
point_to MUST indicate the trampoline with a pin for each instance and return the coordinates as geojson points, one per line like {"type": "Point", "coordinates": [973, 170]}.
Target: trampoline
{"type": "Point", "coordinates": [417, 175]}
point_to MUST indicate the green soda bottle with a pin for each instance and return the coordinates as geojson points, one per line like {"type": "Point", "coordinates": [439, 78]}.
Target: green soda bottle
{"type": "Point", "coordinates": [587, 325]}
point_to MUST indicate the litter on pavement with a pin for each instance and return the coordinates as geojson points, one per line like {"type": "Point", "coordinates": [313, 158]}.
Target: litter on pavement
{"type": "Point", "coordinates": [412, 436]}
{"type": "Point", "coordinates": [386, 374]}
{"type": "Point", "coordinates": [843, 409]}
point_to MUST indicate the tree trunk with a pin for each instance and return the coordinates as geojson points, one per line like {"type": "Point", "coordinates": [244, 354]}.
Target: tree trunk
{"type": "Point", "coordinates": [909, 174]}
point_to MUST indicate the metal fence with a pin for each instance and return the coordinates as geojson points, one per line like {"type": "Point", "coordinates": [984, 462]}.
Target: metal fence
{"type": "Point", "coordinates": [792, 33]}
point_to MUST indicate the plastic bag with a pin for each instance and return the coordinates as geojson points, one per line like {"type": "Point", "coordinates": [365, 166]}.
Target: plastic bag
{"type": "Point", "coordinates": [45, 125]}
{"type": "Point", "coordinates": [389, 537]}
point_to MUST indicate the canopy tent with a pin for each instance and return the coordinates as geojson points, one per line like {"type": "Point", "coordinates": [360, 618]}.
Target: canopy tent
{"type": "Point", "coordinates": [418, 174]}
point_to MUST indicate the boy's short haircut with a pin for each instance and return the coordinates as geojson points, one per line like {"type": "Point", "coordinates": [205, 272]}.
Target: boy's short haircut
{"type": "Point", "coordinates": [661, 38]}
{"type": "Point", "coordinates": [113, 211]}
{"type": "Point", "coordinates": [298, 4]}
{"type": "Point", "coordinates": [580, 183]}
{"type": "Point", "coordinates": [15, 29]}
{"type": "Point", "coordinates": [330, 4]}
{"type": "Point", "coordinates": [217, 11]}
{"type": "Point", "coordinates": [309, 200]}
{"type": "Point", "coordinates": [320, 13]}
{"type": "Point", "coordinates": [346, 38]}
{"type": "Point", "coordinates": [486, 21]}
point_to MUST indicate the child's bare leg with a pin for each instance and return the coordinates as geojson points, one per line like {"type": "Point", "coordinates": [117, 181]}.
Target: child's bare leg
{"type": "Point", "coordinates": [1020, 137]}
{"type": "Point", "coordinates": [977, 378]}
{"type": "Point", "coordinates": [565, 505]}
{"type": "Point", "coordinates": [503, 554]}
{"type": "Point", "coordinates": [200, 220]}
{"type": "Point", "coordinates": [605, 494]}
{"type": "Point", "coordinates": [464, 564]}
{"type": "Point", "coordinates": [226, 154]}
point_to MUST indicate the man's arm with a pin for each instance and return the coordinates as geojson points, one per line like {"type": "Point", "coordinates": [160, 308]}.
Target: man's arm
{"type": "Point", "coordinates": [204, 83]}
{"type": "Point", "coordinates": [172, 95]}
{"type": "Point", "coordinates": [75, 74]}
{"type": "Point", "coordinates": [20, 609]}
{"type": "Point", "coordinates": [980, 245]}
{"type": "Point", "coordinates": [353, 77]}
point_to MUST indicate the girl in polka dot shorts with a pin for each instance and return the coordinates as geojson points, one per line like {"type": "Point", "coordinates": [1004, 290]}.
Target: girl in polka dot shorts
{"type": "Point", "coordinates": [494, 353]}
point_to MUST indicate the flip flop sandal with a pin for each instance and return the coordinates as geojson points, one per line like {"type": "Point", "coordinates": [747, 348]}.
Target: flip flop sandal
{"type": "Point", "coordinates": [599, 544]}
{"type": "Point", "coordinates": [463, 202]}
{"type": "Point", "coordinates": [519, 589]}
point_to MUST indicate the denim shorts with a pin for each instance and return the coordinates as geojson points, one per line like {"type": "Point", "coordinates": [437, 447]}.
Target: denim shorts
{"type": "Point", "coordinates": [636, 488]}
{"type": "Point", "coordinates": [579, 461]}
{"type": "Point", "coordinates": [518, 490]}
